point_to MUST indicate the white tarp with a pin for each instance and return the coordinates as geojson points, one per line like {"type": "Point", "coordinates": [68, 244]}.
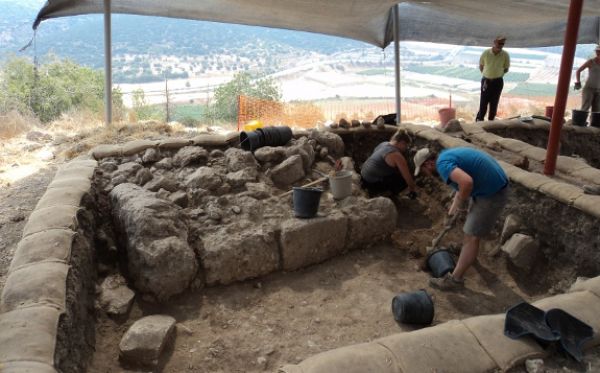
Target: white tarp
{"type": "Point", "coordinates": [464, 22]}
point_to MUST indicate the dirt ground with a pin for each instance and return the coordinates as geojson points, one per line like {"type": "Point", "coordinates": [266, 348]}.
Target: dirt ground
{"type": "Point", "coordinates": [284, 318]}
{"type": "Point", "coordinates": [259, 325]}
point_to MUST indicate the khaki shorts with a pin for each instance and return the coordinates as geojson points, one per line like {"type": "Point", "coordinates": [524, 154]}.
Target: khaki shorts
{"type": "Point", "coordinates": [483, 213]}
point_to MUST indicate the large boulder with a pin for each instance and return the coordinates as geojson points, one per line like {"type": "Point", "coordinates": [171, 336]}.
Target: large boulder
{"type": "Point", "coordinates": [159, 259]}
{"type": "Point", "coordinates": [522, 250]}
{"type": "Point", "coordinates": [241, 177]}
{"type": "Point", "coordinates": [126, 171]}
{"type": "Point", "coordinates": [115, 297]}
{"type": "Point", "coordinates": [204, 178]}
{"type": "Point", "coordinates": [369, 220]}
{"type": "Point", "coordinates": [146, 339]}
{"type": "Point", "coordinates": [190, 155]}
{"type": "Point", "coordinates": [302, 148]}
{"type": "Point", "coordinates": [270, 154]}
{"type": "Point", "coordinates": [238, 159]}
{"type": "Point", "coordinates": [288, 171]}
{"type": "Point", "coordinates": [333, 142]}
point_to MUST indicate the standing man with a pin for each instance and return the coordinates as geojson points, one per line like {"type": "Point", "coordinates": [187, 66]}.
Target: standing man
{"type": "Point", "coordinates": [591, 90]}
{"type": "Point", "coordinates": [386, 170]}
{"type": "Point", "coordinates": [493, 64]}
{"type": "Point", "coordinates": [481, 192]}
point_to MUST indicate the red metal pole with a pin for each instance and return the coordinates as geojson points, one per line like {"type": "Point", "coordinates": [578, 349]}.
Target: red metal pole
{"type": "Point", "coordinates": [564, 80]}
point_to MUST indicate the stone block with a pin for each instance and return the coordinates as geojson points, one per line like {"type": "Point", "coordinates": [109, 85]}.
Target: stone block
{"type": "Point", "coordinates": [449, 347]}
{"type": "Point", "coordinates": [115, 297]}
{"type": "Point", "coordinates": [288, 171]}
{"type": "Point", "coordinates": [369, 220]}
{"type": "Point", "coordinates": [236, 257]}
{"type": "Point", "coordinates": [310, 241]}
{"type": "Point", "coordinates": [522, 250]}
{"type": "Point", "coordinates": [59, 217]}
{"type": "Point", "coordinates": [512, 224]}
{"type": "Point", "coordinates": [146, 339]}
{"type": "Point", "coordinates": [54, 244]}
{"type": "Point", "coordinates": [204, 178]}
{"type": "Point", "coordinates": [506, 352]}
{"type": "Point", "coordinates": [29, 334]}
{"type": "Point", "coordinates": [592, 284]}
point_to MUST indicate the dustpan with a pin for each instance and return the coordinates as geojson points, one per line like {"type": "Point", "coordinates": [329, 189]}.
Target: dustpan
{"type": "Point", "coordinates": [573, 332]}
{"type": "Point", "coordinates": [525, 319]}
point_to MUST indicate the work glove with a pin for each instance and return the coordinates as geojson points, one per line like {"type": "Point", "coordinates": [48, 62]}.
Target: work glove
{"type": "Point", "coordinates": [412, 195]}
{"type": "Point", "coordinates": [577, 86]}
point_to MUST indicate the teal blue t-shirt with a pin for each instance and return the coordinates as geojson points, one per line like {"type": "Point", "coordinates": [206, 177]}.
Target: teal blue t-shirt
{"type": "Point", "coordinates": [488, 176]}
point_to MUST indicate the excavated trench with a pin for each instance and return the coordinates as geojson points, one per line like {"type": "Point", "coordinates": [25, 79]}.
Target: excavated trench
{"type": "Point", "coordinates": [200, 234]}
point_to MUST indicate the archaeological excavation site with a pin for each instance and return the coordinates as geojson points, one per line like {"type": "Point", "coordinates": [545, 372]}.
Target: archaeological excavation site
{"type": "Point", "coordinates": [219, 253]}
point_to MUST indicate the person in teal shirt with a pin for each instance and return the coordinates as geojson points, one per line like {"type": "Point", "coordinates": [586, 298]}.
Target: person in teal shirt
{"type": "Point", "coordinates": [481, 193]}
{"type": "Point", "coordinates": [493, 64]}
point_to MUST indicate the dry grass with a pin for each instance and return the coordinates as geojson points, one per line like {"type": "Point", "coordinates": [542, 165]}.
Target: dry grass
{"type": "Point", "coordinates": [14, 123]}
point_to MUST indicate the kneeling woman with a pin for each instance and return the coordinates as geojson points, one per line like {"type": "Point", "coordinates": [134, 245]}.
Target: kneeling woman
{"type": "Point", "coordinates": [386, 170]}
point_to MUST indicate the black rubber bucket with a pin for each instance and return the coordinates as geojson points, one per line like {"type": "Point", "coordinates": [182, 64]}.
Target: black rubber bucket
{"type": "Point", "coordinates": [306, 201]}
{"type": "Point", "coordinates": [573, 332]}
{"type": "Point", "coordinates": [440, 262]}
{"type": "Point", "coordinates": [580, 118]}
{"type": "Point", "coordinates": [276, 136]}
{"type": "Point", "coordinates": [251, 140]}
{"type": "Point", "coordinates": [413, 308]}
{"type": "Point", "coordinates": [595, 119]}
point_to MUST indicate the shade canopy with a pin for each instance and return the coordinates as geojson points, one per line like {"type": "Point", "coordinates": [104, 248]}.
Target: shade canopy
{"type": "Point", "coordinates": [528, 23]}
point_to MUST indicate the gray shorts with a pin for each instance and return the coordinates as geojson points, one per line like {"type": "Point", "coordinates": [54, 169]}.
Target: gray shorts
{"type": "Point", "coordinates": [483, 213]}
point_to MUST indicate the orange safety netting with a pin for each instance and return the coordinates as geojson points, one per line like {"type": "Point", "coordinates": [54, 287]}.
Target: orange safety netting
{"type": "Point", "coordinates": [304, 114]}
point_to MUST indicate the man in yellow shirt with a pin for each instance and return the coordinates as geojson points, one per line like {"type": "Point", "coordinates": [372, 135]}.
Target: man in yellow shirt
{"type": "Point", "coordinates": [493, 64]}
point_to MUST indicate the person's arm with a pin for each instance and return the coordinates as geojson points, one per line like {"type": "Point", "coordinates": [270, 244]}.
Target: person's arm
{"type": "Point", "coordinates": [507, 64]}
{"type": "Point", "coordinates": [481, 62]}
{"type": "Point", "coordinates": [400, 163]}
{"type": "Point", "coordinates": [581, 68]}
{"type": "Point", "coordinates": [465, 187]}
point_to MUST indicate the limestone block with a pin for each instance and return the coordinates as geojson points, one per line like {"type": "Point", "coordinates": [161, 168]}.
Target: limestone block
{"type": "Point", "coordinates": [270, 154]}
{"type": "Point", "coordinates": [59, 217]}
{"type": "Point", "coordinates": [565, 193]}
{"type": "Point", "coordinates": [64, 197]}
{"type": "Point", "coordinates": [127, 171]}
{"type": "Point", "coordinates": [449, 347]}
{"type": "Point", "coordinates": [593, 285]}
{"type": "Point", "coordinates": [309, 241]}
{"type": "Point", "coordinates": [105, 151]}
{"type": "Point", "coordinates": [54, 244]}
{"type": "Point", "coordinates": [227, 257]}
{"type": "Point", "coordinates": [302, 148]}
{"type": "Point", "coordinates": [146, 339]}
{"type": "Point", "coordinates": [143, 176]}
{"type": "Point", "coordinates": [180, 198]}
{"type": "Point", "coordinates": [26, 367]}
{"type": "Point", "coordinates": [115, 297]}
{"type": "Point", "coordinates": [160, 261]}
{"type": "Point", "coordinates": [369, 220]}
{"type": "Point", "coordinates": [259, 190]}
{"type": "Point", "coordinates": [288, 171]}
{"type": "Point", "coordinates": [238, 159]}
{"type": "Point", "coordinates": [360, 358]}
{"type": "Point", "coordinates": [512, 224]}
{"type": "Point", "coordinates": [80, 183]}
{"type": "Point", "coordinates": [151, 155]}
{"type": "Point", "coordinates": [137, 146]}
{"type": "Point", "coordinates": [158, 182]}
{"type": "Point", "coordinates": [590, 204]}
{"type": "Point", "coordinates": [190, 155]}
{"type": "Point", "coordinates": [522, 250]}
{"type": "Point", "coordinates": [584, 305]}
{"type": "Point", "coordinates": [29, 334]}
{"type": "Point", "coordinates": [506, 352]}
{"type": "Point", "coordinates": [174, 143]}
{"type": "Point", "coordinates": [204, 178]}
{"type": "Point", "coordinates": [241, 177]}
{"type": "Point", "coordinates": [39, 283]}
{"type": "Point", "coordinates": [330, 140]}
{"type": "Point", "coordinates": [75, 172]}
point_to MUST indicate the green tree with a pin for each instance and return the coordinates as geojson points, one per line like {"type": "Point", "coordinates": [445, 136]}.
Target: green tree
{"type": "Point", "coordinates": [52, 88]}
{"type": "Point", "coordinates": [142, 110]}
{"type": "Point", "coordinates": [226, 96]}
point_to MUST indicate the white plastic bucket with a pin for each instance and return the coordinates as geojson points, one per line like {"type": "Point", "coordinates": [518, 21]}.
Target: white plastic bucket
{"type": "Point", "coordinates": [341, 184]}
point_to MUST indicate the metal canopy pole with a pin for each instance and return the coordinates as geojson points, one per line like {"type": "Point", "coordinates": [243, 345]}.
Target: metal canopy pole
{"type": "Point", "coordinates": [562, 89]}
{"type": "Point", "coordinates": [107, 64]}
{"type": "Point", "coordinates": [395, 13]}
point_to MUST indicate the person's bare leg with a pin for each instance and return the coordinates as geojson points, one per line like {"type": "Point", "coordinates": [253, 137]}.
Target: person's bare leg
{"type": "Point", "coordinates": [467, 256]}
